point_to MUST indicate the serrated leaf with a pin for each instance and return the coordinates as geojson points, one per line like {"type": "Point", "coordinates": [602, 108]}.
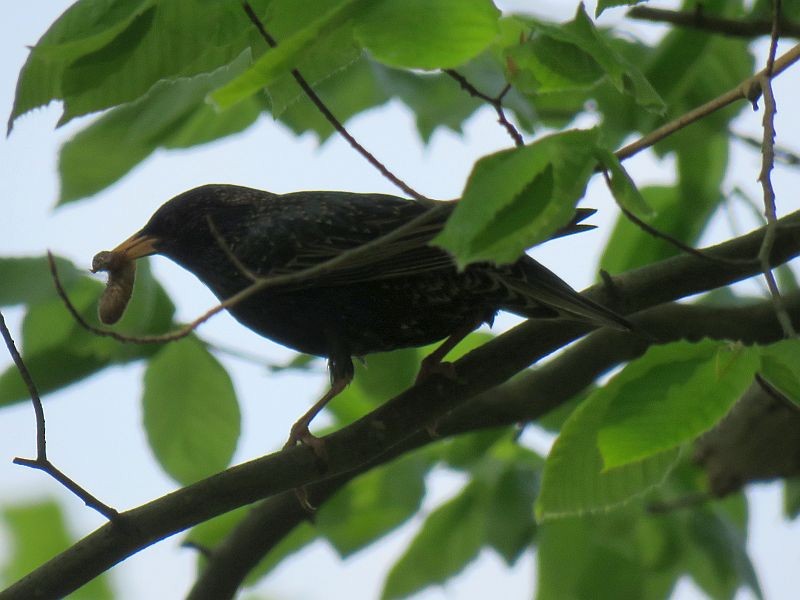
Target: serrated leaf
{"type": "Point", "coordinates": [517, 198]}
{"type": "Point", "coordinates": [200, 36]}
{"type": "Point", "coordinates": [574, 480]}
{"type": "Point", "coordinates": [348, 92]}
{"type": "Point", "coordinates": [602, 5]}
{"type": "Point", "coordinates": [288, 55]}
{"type": "Point", "coordinates": [83, 28]}
{"type": "Point", "coordinates": [171, 114]}
{"type": "Point", "coordinates": [671, 395]}
{"type": "Point", "coordinates": [191, 414]}
{"type": "Point", "coordinates": [427, 34]}
{"type": "Point", "coordinates": [626, 78]}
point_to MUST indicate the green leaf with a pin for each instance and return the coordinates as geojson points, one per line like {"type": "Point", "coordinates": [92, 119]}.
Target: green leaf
{"type": "Point", "coordinates": [374, 504]}
{"type": "Point", "coordinates": [583, 36]}
{"type": "Point", "coordinates": [290, 53]}
{"type": "Point", "coordinates": [717, 555]}
{"type": "Point", "coordinates": [348, 92]}
{"type": "Point", "coordinates": [28, 280]}
{"type": "Point", "coordinates": [201, 36]}
{"type": "Point", "coordinates": [190, 411]}
{"type": "Point", "coordinates": [427, 34]}
{"type": "Point", "coordinates": [463, 452]}
{"type": "Point", "coordinates": [83, 28]}
{"type": "Point", "coordinates": [435, 99]}
{"type": "Point", "coordinates": [681, 211]}
{"type": "Point", "coordinates": [780, 365]}
{"type": "Point", "coordinates": [171, 114]}
{"type": "Point", "coordinates": [52, 345]}
{"type": "Point", "coordinates": [450, 538]}
{"type": "Point", "coordinates": [602, 5]}
{"type": "Point", "coordinates": [623, 187]}
{"type": "Point", "coordinates": [517, 198]}
{"type": "Point", "coordinates": [512, 488]}
{"type": "Point", "coordinates": [671, 395]}
{"type": "Point", "coordinates": [590, 557]}
{"type": "Point", "coordinates": [574, 480]}
{"type": "Point", "coordinates": [59, 352]}
{"type": "Point", "coordinates": [37, 531]}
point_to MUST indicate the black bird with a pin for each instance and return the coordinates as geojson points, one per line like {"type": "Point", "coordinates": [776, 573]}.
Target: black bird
{"type": "Point", "coordinates": [398, 294]}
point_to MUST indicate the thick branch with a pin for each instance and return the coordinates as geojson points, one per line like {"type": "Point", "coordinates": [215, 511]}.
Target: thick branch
{"type": "Point", "coordinates": [391, 424]}
{"type": "Point", "coordinates": [525, 398]}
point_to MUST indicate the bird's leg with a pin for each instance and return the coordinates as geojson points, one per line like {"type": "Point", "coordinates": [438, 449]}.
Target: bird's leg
{"type": "Point", "coordinates": [432, 364]}
{"type": "Point", "coordinates": [300, 432]}
{"type": "Point", "coordinates": [341, 376]}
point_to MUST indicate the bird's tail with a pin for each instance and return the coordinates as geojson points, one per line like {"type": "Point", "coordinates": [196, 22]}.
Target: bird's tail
{"type": "Point", "coordinates": [540, 292]}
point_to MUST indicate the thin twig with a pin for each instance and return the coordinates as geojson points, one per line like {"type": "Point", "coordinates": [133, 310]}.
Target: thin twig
{"type": "Point", "coordinates": [41, 461]}
{"type": "Point", "coordinates": [329, 116]}
{"type": "Point", "coordinates": [767, 164]}
{"type": "Point", "coordinates": [495, 101]}
{"type": "Point", "coordinates": [714, 24]}
{"type": "Point", "coordinates": [41, 437]}
{"type": "Point", "coordinates": [657, 233]}
{"type": "Point", "coordinates": [240, 266]}
{"type": "Point", "coordinates": [749, 89]}
{"type": "Point", "coordinates": [782, 155]}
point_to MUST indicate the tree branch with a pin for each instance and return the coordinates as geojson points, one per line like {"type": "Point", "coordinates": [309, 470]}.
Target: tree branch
{"type": "Point", "coordinates": [41, 462]}
{"type": "Point", "coordinates": [330, 117]}
{"type": "Point", "coordinates": [525, 398]}
{"type": "Point", "coordinates": [495, 102]}
{"type": "Point", "coordinates": [391, 424]}
{"type": "Point", "coordinates": [749, 89]}
{"type": "Point", "coordinates": [699, 20]}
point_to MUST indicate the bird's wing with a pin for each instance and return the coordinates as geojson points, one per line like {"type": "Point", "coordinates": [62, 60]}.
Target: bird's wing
{"type": "Point", "coordinates": [410, 253]}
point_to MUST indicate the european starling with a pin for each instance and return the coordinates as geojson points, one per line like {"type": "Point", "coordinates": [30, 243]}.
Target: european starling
{"type": "Point", "coordinates": [401, 294]}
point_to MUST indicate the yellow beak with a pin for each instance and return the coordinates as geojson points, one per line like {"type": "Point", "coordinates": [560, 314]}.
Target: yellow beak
{"type": "Point", "coordinates": [136, 246]}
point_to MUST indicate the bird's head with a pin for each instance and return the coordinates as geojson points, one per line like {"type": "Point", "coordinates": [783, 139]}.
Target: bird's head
{"type": "Point", "coordinates": [190, 225]}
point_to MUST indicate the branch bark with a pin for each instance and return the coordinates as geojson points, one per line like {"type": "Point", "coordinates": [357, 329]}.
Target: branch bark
{"type": "Point", "coordinates": [395, 422]}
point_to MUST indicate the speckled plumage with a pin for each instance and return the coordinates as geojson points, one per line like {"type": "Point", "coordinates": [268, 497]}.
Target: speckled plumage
{"type": "Point", "coordinates": [405, 294]}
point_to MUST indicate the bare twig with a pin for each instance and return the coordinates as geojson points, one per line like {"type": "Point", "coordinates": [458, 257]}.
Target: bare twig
{"type": "Point", "coordinates": [657, 233]}
{"type": "Point", "coordinates": [700, 20]}
{"type": "Point", "coordinates": [749, 90]}
{"type": "Point", "coordinates": [41, 461]}
{"type": "Point", "coordinates": [240, 266]}
{"type": "Point", "coordinates": [767, 164]}
{"type": "Point", "coordinates": [495, 101]}
{"type": "Point", "coordinates": [782, 155]}
{"type": "Point", "coordinates": [330, 117]}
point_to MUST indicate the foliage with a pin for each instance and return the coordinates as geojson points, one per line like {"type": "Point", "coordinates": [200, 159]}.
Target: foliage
{"type": "Point", "coordinates": [174, 74]}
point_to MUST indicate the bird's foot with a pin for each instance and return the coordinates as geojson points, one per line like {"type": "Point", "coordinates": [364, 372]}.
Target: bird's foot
{"type": "Point", "coordinates": [437, 367]}
{"type": "Point", "coordinates": [300, 434]}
